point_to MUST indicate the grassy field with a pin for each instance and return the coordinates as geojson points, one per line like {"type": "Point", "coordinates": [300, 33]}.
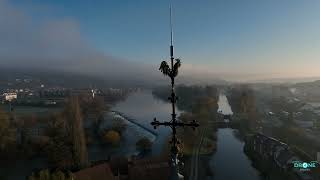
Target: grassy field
{"type": "Point", "coordinates": [30, 110]}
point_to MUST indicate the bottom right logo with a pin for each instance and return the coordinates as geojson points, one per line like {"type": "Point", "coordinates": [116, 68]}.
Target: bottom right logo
{"type": "Point", "coordinates": [305, 166]}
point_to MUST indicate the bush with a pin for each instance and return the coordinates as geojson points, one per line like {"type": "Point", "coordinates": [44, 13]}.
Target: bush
{"type": "Point", "coordinates": [112, 137]}
{"type": "Point", "coordinates": [59, 152]}
{"type": "Point", "coordinates": [118, 125]}
{"type": "Point", "coordinates": [47, 175]}
{"type": "Point", "coordinates": [144, 144]}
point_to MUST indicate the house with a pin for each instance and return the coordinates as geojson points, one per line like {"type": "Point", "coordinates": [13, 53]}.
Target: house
{"type": "Point", "coordinates": [98, 172]}
{"type": "Point", "coordinates": [305, 124]}
{"type": "Point", "coordinates": [268, 148]}
{"type": "Point", "coordinates": [284, 158]}
{"type": "Point", "coordinates": [259, 144]}
{"type": "Point", "coordinates": [121, 168]}
{"type": "Point", "coordinates": [9, 96]}
{"type": "Point", "coordinates": [149, 169]}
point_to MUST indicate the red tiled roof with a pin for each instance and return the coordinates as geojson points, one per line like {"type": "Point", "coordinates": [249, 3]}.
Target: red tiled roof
{"type": "Point", "coordinates": [99, 172]}
{"type": "Point", "coordinates": [119, 164]}
{"type": "Point", "coordinates": [149, 169]}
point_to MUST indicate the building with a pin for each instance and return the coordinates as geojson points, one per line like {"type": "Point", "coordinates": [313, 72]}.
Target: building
{"type": "Point", "coordinates": [271, 149]}
{"type": "Point", "coordinates": [305, 124]}
{"type": "Point", "coordinates": [284, 158]}
{"type": "Point", "coordinates": [98, 172]}
{"type": "Point", "coordinates": [9, 96]}
{"type": "Point", "coordinates": [121, 168]}
{"type": "Point", "coordinates": [149, 168]}
{"type": "Point", "coordinates": [275, 151]}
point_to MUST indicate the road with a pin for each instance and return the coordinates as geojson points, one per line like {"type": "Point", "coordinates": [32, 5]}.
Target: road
{"type": "Point", "coordinates": [194, 167]}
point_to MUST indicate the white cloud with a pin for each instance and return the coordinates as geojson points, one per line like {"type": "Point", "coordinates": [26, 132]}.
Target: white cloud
{"type": "Point", "coordinates": [57, 44]}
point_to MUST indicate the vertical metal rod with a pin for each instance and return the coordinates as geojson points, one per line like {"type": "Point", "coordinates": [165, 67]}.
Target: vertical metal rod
{"type": "Point", "coordinates": [173, 96]}
{"type": "Point", "coordinates": [171, 27]}
{"type": "Point", "coordinates": [173, 124]}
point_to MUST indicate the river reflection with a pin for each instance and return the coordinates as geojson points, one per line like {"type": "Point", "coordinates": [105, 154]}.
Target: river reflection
{"type": "Point", "coordinates": [230, 162]}
{"type": "Point", "coordinates": [143, 107]}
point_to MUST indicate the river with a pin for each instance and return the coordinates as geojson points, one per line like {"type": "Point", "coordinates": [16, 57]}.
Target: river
{"type": "Point", "coordinates": [142, 106]}
{"type": "Point", "coordinates": [230, 162]}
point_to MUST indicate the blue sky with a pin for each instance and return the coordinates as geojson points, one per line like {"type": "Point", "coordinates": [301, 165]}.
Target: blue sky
{"type": "Point", "coordinates": [280, 37]}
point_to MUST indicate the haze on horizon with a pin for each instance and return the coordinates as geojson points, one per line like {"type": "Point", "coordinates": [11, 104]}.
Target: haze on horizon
{"type": "Point", "coordinates": [226, 39]}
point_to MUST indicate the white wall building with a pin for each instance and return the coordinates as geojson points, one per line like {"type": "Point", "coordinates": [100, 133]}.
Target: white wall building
{"type": "Point", "coordinates": [9, 96]}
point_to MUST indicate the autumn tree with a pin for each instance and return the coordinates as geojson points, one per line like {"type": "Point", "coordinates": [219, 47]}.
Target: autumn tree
{"type": "Point", "coordinates": [47, 175]}
{"type": "Point", "coordinates": [59, 149]}
{"type": "Point", "coordinates": [243, 102]}
{"type": "Point", "coordinates": [68, 143]}
{"type": "Point", "coordinates": [76, 132]}
{"type": "Point", "coordinates": [95, 106]}
{"type": "Point", "coordinates": [144, 144]}
{"type": "Point", "coordinates": [7, 133]}
{"type": "Point", "coordinates": [112, 137]}
{"type": "Point", "coordinates": [57, 125]}
{"type": "Point", "coordinates": [205, 108]}
{"type": "Point", "coordinates": [119, 125]}
{"type": "Point", "coordinates": [249, 109]}
{"type": "Point", "coordinates": [187, 135]}
{"type": "Point", "coordinates": [59, 152]}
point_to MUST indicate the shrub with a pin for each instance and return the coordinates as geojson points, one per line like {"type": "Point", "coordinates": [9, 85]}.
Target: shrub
{"type": "Point", "coordinates": [118, 125]}
{"type": "Point", "coordinates": [47, 175]}
{"type": "Point", "coordinates": [112, 137]}
{"type": "Point", "coordinates": [144, 144]}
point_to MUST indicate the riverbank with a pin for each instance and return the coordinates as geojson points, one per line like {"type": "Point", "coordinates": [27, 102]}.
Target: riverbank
{"type": "Point", "coordinates": [133, 121]}
{"type": "Point", "coordinates": [130, 136]}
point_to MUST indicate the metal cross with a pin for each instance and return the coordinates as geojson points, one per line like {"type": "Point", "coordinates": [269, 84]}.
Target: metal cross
{"type": "Point", "coordinates": [173, 124]}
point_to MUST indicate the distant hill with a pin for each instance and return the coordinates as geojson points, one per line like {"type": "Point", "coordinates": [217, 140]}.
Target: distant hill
{"type": "Point", "coordinates": [54, 78]}
{"type": "Point", "coordinates": [308, 84]}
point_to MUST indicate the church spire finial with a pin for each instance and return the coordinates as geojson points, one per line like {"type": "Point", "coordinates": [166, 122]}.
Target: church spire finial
{"type": "Point", "coordinates": [171, 34]}
{"type": "Point", "coordinates": [172, 72]}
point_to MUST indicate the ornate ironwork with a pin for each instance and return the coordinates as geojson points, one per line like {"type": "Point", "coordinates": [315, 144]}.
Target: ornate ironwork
{"type": "Point", "coordinates": [172, 72]}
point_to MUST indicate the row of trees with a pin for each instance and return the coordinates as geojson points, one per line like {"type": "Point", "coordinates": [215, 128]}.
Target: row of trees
{"type": "Point", "coordinates": [113, 135]}
{"type": "Point", "coordinates": [67, 147]}
{"type": "Point", "coordinates": [68, 140]}
{"type": "Point", "coordinates": [243, 103]}
{"type": "Point", "coordinates": [47, 175]}
{"type": "Point", "coordinates": [7, 135]}
{"type": "Point", "coordinates": [187, 95]}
